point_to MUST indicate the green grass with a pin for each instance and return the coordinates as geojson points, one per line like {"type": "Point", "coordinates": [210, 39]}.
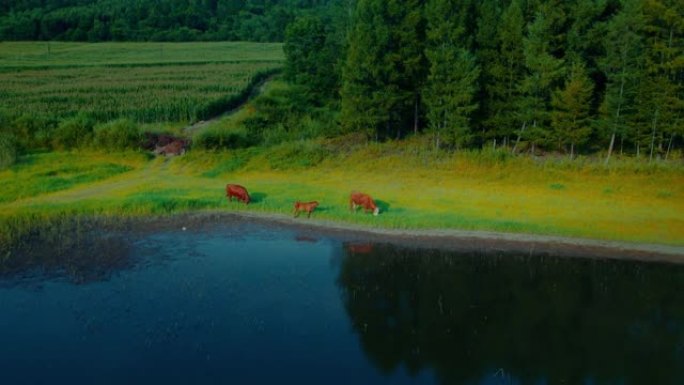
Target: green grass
{"type": "Point", "coordinates": [416, 189]}
{"type": "Point", "coordinates": [15, 55]}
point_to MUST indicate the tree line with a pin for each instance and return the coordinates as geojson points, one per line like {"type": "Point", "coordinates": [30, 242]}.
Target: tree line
{"type": "Point", "coordinates": [150, 20]}
{"type": "Point", "coordinates": [568, 76]}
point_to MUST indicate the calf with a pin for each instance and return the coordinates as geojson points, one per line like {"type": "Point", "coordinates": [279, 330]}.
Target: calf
{"type": "Point", "coordinates": [237, 191]}
{"type": "Point", "coordinates": [364, 200]}
{"type": "Point", "coordinates": [309, 207]}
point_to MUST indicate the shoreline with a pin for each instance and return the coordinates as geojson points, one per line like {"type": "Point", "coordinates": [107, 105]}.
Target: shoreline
{"type": "Point", "coordinates": [443, 239]}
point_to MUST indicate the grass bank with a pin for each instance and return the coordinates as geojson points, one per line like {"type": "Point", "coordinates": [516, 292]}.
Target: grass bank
{"type": "Point", "coordinates": [416, 189]}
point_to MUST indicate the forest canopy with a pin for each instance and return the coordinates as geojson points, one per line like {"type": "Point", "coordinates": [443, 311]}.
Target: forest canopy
{"type": "Point", "coordinates": [587, 75]}
{"type": "Point", "coordinates": [150, 20]}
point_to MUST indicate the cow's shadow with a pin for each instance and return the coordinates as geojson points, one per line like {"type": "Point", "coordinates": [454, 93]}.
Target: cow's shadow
{"type": "Point", "coordinates": [257, 197]}
{"type": "Point", "coordinates": [384, 206]}
{"type": "Point", "coordinates": [322, 209]}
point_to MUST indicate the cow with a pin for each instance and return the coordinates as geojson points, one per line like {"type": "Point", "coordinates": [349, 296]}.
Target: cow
{"type": "Point", "coordinates": [309, 207]}
{"type": "Point", "coordinates": [364, 200]}
{"type": "Point", "coordinates": [237, 191]}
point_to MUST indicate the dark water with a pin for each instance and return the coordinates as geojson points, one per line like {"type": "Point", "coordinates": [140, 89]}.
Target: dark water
{"type": "Point", "coordinates": [257, 304]}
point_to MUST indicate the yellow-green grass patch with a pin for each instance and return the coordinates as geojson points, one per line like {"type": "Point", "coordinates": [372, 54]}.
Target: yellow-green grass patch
{"type": "Point", "coordinates": [454, 192]}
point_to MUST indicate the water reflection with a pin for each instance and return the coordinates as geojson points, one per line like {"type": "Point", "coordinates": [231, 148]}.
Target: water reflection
{"type": "Point", "coordinates": [508, 319]}
{"type": "Point", "coordinates": [241, 302]}
{"type": "Point", "coordinates": [74, 251]}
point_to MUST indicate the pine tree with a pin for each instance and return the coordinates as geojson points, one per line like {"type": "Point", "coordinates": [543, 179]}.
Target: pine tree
{"type": "Point", "coordinates": [620, 64]}
{"type": "Point", "coordinates": [543, 70]}
{"type": "Point", "coordinates": [311, 55]}
{"type": "Point", "coordinates": [452, 80]}
{"type": "Point", "coordinates": [384, 67]}
{"type": "Point", "coordinates": [506, 74]}
{"type": "Point", "coordinates": [659, 97]}
{"type": "Point", "coordinates": [364, 108]}
{"type": "Point", "coordinates": [487, 48]}
{"type": "Point", "coordinates": [570, 117]}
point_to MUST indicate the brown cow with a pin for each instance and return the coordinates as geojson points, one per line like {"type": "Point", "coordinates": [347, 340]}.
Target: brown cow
{"type": "Point", "coordinates": [309, 207]}
{"type": "Point", "coordinates": [364, 200]}
{"type": "Point", "coordinates": [237, 191]}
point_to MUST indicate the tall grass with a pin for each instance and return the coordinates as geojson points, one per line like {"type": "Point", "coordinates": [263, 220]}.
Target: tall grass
{"type": "Point", "coordinates": [143, 94]}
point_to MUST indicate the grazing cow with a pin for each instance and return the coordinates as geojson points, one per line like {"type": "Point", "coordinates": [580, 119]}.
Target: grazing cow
{"type": "Point", "coordinates": [309, 207]}
{"type": "Point", "coordinates": [364, 200]}
{"type": "Point", "coordinates": [237, 191]}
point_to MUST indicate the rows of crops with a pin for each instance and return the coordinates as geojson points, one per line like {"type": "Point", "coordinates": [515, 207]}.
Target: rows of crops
{"type": "Point", "coordinates": [61, 54]}
{"type": "Point", "coordinates": [144, 94]}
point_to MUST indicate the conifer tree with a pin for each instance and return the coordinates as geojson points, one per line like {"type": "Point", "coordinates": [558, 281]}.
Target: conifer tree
{"type": "Point", "coordinates": [571, 108]}
{"type": "Point", "coordinates": [620, 64]}
{"type": "Point", "coordinates": [453, 75]}
{"type": "Point", "coordinates": [506, 73]}
{"type": "Point", "coordinates": [543, 70]}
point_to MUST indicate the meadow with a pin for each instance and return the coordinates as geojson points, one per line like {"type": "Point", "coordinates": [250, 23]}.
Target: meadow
{"type": "Point", "coordinates": [414, 189]}
{"type": "Point", "coordinates": [415, 186]}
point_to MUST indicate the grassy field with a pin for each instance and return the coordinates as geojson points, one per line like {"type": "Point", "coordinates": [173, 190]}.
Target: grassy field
{"type": "Point", "coordinates": [19, 55]}
{"type": "Point", "coordinates": [414, 189]}
{"type": "Point", "coordinates": [140, 81]}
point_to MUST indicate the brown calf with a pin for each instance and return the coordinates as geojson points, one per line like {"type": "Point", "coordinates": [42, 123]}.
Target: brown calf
{"type": "Point", "coordinates": [309, 207]}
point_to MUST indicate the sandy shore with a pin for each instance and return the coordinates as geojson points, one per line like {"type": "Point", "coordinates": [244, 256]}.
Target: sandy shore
{"type": "Point", "coordinates": [483, 242]}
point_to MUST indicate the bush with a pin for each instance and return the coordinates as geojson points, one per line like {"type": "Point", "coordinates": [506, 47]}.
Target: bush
{"type": "Point", "coordinates": [31, 132]}
{"type": "Point", "coordinates": [218, 138]}
{"type": "Point", "coordinates": [8, 150]}
{"type": "Point", "coordinates": [117, 135]}
{"type": "Point", "coordinates": [73, 132]}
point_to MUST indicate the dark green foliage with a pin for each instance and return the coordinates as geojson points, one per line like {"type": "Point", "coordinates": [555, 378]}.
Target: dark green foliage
{"type": "Point", "coordinates": [385, 68]}
{"type": "Point", "coordinates": [117, 135]}
{"type": "Point", "coordinates": [570, 117]}
{"type": "Point", "coordinates": [8, 150]}
{"type": "Point", "coordinates": [215, 139]}
{"type": "Point", "coordinates": [73, 132]}
{"type": "Point", "coordinates": [452, 79]}
{"type": "Point", "coordinates": [312, 55]}
{"type": "Point", "coordinates": [31, 131]}
{"type": "Point", "coordinates": [155, 20]}
{"type": "Point", "coordinates": [529, 91]}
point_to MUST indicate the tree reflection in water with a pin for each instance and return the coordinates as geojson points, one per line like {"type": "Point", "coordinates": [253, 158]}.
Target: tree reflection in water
{"type": "Point", "coordinates": [516, 319]}
{"type": "Point", "coordinates": [75, 251]}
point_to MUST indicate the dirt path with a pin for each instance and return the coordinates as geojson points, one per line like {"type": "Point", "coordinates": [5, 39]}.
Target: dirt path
{"type": "Point", "coordinates": [192, 129]}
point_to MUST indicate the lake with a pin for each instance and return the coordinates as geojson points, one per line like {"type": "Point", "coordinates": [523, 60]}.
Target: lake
{"type": "Point", "coordinates": [246, 302]}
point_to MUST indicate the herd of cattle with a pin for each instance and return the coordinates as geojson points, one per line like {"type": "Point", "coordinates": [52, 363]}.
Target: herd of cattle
{"type": "Point", "coordinates": [356, 200]}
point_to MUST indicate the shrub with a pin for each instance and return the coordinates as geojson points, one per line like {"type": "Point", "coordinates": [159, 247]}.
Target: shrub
{"type": "Point", "coordinates": [222, 138]}
{"type": "Point", "coordinates": [73, 132]}
{"type": "Point", "coordinates": [8, 150]}
{"type": "Point", "coordinates": [119, 134]}
{"type": "Point", "coordinates": [31, 132]}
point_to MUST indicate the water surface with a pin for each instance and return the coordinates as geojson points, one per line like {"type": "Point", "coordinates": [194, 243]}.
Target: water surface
{"type": "Point", "coordinates": [250, 303]}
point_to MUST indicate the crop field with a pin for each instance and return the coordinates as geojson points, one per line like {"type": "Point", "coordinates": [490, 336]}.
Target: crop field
{"type": "Point", "coordinates": [62, 54]}
{"type": "Point", "coordinates": [178, 86]}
